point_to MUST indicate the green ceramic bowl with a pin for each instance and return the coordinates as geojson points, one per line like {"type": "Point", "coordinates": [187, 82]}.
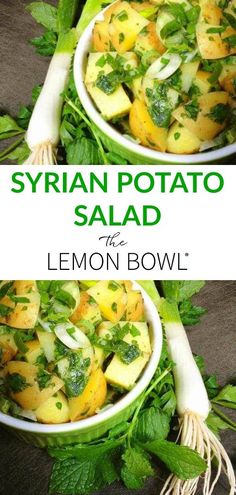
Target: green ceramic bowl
{"type": "Point", "coordinates": [116, 142]}
{"type": "Point", "coordinates": [89, 429]}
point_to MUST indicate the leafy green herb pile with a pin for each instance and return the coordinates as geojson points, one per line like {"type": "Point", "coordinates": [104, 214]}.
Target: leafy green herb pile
{"type": "Point", "coordinates": [131, 449]}
{"type": "Point", "coordinates": [79, 141]}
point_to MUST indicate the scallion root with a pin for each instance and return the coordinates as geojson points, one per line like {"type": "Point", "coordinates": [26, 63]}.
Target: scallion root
{"type": "Point", "coordinates": [195, 434]}
{"type": "Point", "coordinates": [44, 154]}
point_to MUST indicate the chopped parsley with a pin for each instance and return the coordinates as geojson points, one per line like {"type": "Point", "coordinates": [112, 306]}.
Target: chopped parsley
{"type": "Point", "coordinates": [59, 405]}
{"type": "Point", "coordinates": [122, 16]}
{"type": "Point", "coordinates": [159, 108]}
{"type": "Point", "coordinates": [16, 382]}
{"type": "Point", "coordinates": [114, 286]}
{"type": "Point", "coordinates": [219, 113]}
{"type": "Point", "coordinates": [177, 136]}
{"type": "Point", "coordinates": [114, 307]}
{"type": "Point", "coordinates": [44, 379]}
{"type": "Point", "coordinates": [192, 109]}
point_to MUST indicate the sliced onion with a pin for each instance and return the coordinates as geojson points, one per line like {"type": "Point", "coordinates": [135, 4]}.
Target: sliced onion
{"type": "Point", "coordinates": [190, 55]}
{"type": "Point", "coordinates": [77, 340]}
{"type": "Point", "coordinates": [45, 325]}
{"type": "Point", "coordinates": [207, 145]}
{"type": "Point", "coordinates": [160, 71]}
{"type": "Point", "coordinates": [25, 413]}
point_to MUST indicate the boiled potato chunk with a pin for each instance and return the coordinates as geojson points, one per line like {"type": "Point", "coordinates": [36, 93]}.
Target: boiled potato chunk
{"type": "Point", "coordinates": [228, 84]}
{"type": "Point", "coordinates": [125, 375]}
{"type": "Point", "coordinates": [202, 81]}
{"type": "Point", "coordinates": [55, 410]}
{"type": "Point", "coordinates": [226, 34]}
{"type": "Point", "coordinates": [111, 298]}
{"type": "Point", "coordinates": [25, 286]}
{"type": "Point", "coordinates": [135, 306]}
{"type": "Point", "coordinates": [210, 13]}
{"type": "Point", "coordinates": [144, 129]}
{"type": "Point", "coordinates": [125, 25]}
{"type": "Point", "coordinates": [31, 397]}
{"type": "Point", "coordinates": [34, 351]}
{"type": "Point", "coordinates": [141, 6]}
{"type": "Point", "coordinates": [91, 399]}
{"type": "Point", "coordinates": [88, 310]}
{"type": "Point", "coordinates": [181, 141]}
{"type": "Point", "coordinates": [110, 106]}
{"type": "Point", "coordinates": [188, 73]}
{"type": "Point", "coordinates": [108, 13]}
{"type": "Point", "coordinates": [100, 38]}
{"type": "Point", "coordinates": [8, 348]}
{"type": "Point", "coordinates": [99, 357]}
{"type": "Point", "coordinates": [24, 315]}
{"type": "Point", "coordinates": [211, 45]}
{"type": "Point", "coordinates": [47, 342]}
{"type": "Point", "coordinates": [203, 127]}
{"type": "Point", "coordinates": [147, 40]}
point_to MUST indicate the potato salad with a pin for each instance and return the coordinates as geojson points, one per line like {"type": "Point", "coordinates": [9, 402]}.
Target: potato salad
{"type": "Point", "coordinates": [69, 349]}
{"type": "Point", "coordinates": [163, 72]}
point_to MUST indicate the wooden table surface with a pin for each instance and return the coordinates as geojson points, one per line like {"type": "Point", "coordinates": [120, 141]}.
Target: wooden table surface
{"type": "Point", "coordinates": [25, 470]}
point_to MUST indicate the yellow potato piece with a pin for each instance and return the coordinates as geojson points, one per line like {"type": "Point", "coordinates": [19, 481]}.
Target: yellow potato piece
{"type": "Point", "coordinates": [140, 6]}
{"type": "Point", "coordinates": [135, 306]}
{"type": "Point", "coordinates": [47, 342]}
{"type": "Point", "coordinates": [100, 37]}
{"type": "Point", "coordinates": [25, 286]}
{"type": "Point", "coordinates": [125, 25]}
{"type": "Point", "coordinates": [91, 399]}
{"type": "Point", "coordinates": [229, 32]}
{"type": "Point", "coordinates": [143, 128]}
{"type": "Point", "coordinates": [112, 303]}
{"type": "Point", "coordinates": [228, 84]}
{"type": "Point", "coordinates": [181, 141]}
{"type": "Point", "coordinates": [24, 315]}
{"type": "Point", "coordinates": [8, 348]}
{"type": "Point", "coordinates": [203, 127]}
{"type": "Point", "coordinates": [147, 40]}
{"type": "Point", "coordinates": [125, 375]}
{"type": "Point", "coordinates": [88, 309]}
{"type": "Point", "coordinates": [211, 45]}
{"type": "Point", "coordinates": [210, 13]}
{"type": "Point", "coordinates": [32, 397]}
{"type": "Point", "coordinates": [202, 82]}
{"type": "Point", "coordinates": [34, 351]}
{"type": "Point", "coordinates": [55, 410]}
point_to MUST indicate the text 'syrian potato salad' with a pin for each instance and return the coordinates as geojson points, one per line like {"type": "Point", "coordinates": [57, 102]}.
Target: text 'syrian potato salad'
{"type": "Point", "coordinates": [164, 72]}
{"type": "Point", "coordinates": [67, 350]}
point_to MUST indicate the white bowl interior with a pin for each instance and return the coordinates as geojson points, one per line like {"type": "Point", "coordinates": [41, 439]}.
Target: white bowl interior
{"type": "Point", "coordinates": [156, 335]}
{"type": "Point", "coordinates": [80, 61]}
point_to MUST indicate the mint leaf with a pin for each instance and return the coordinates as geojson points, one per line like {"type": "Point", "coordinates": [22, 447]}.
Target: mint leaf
{"type": "Point", "coordinates": [83, 152]}
{"type": "Point", "coordinates": [217, 424]}
{"type": "Point", "coordinates": [136, 468]}
{"type": "Point", "coordinates": [81, 477]}
{"type": "Point", "coordinates": [180, 290]}
{"type": "Point", "coordinates": [44, 14]}
{"type": "Point", "coordinates": [227, 397]}
{"type": "Point", "coordinates": [152, 425]}
{"type": "Point", "coordinates": [19, 154]}
{"type": "Point", "coordinates": [5, 310]}
{"type": "Point", "coordinates": [182, 461]}
{"type": "Point", "coordinates": [189, 313]}
{"type": "Point", "coordinates": [84, 452]}
{"type": "Point", "coordinates": [9, 127]}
